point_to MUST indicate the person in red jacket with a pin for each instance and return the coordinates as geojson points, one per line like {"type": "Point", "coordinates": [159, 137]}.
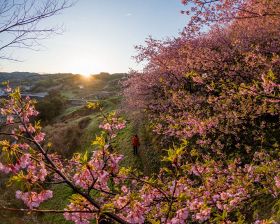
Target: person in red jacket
{"type": "Point", "coordinates": [135, 143]}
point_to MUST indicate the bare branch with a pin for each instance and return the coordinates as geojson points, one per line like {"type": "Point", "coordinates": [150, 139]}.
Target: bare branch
{"type": "Point", "coordinates": [43, 210]}
{"type": "Point", "coordinates": [21, 23]}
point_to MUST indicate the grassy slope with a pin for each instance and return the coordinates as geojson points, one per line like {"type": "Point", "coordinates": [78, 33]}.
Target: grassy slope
{"type": "Point", "coordinates": [148, 158]}
{"type": "Point", "coordinates": [59, 202]}
{"type": "Point", "coordinates": [122, 143]}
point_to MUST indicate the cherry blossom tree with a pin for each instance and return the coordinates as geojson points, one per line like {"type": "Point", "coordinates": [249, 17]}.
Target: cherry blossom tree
{"type": "Point", "coordinates": [205, 13]}
{"type": "Point", "coordinates": [197, 87]}
{"type": "Point", "coordinates": [217, 85]}
{"type": "Point", "coordinates": [190, 187]}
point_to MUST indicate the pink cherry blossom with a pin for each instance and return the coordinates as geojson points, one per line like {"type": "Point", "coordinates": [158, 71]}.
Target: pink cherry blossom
{"type": "Point", "coordinates": [39, 137]}
{"type": "Point", "coordinates": [34, 199]}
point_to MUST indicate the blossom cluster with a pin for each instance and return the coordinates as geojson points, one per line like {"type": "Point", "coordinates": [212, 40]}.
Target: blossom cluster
{"type": "Point", "coordinates": [34, 199]}
{"type": "Point", "coordinates": [79, 204]}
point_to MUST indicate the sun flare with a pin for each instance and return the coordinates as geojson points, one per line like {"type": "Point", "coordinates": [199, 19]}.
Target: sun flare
{"type": "Point", "coordinates": [86, 75]}
{"type": "Point", "coordinates": [82, 66]}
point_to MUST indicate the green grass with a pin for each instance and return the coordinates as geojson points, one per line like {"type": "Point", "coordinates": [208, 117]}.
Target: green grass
{"type": "Point", "coordinates": [68, 94]}
{"type": "Point", "coordinates": [59, 202]}
{"type": "Point", "coordinates": [149, 155]}
{"type": "Point", "coordinates": [122, 144]}
{"type": "Point", "coordinates": [89, 133]}
{"type": "Point", "coordinates": [151, 152]}
{"type": "Point", "coordinates": [70, 110]}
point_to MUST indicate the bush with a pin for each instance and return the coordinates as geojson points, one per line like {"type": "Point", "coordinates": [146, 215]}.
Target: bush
{"type": "Point", "coordinates": [51, 106]}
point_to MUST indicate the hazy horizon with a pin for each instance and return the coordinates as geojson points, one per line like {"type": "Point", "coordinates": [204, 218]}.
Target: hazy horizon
{"type": "Point", "coordinates": [55, 73]}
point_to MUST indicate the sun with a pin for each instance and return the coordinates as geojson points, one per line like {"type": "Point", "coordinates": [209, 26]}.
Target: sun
{"type": "Point", "coordinates": [82, 70]}
{"type": "Point", "coordinates": [85, 75]}
{"type": "Point", "coordinates": [81, 66]}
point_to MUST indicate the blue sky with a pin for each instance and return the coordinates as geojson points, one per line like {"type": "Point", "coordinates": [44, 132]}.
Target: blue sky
{"type": "Point", "coordinates": [100, 35]}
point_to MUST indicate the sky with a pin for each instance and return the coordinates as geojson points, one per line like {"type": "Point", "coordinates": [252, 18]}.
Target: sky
{"type": "Point", "coordinates": [99, 36]}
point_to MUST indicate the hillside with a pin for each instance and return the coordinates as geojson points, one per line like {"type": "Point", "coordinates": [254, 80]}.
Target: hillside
{"type": "Point", "coordinates": [74, 128]}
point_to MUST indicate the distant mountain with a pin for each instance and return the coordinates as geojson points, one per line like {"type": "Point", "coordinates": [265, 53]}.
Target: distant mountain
{"type": "Point", "coordinates": [16, 76]}
{"type": "Point", "coordinates": [26, 76]}
{"type": "Point", "coordinates": [70, 85]}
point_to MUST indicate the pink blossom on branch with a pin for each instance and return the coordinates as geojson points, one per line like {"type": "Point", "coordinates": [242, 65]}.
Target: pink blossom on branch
{"type": "Point", "coordinates": [34, 199]}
